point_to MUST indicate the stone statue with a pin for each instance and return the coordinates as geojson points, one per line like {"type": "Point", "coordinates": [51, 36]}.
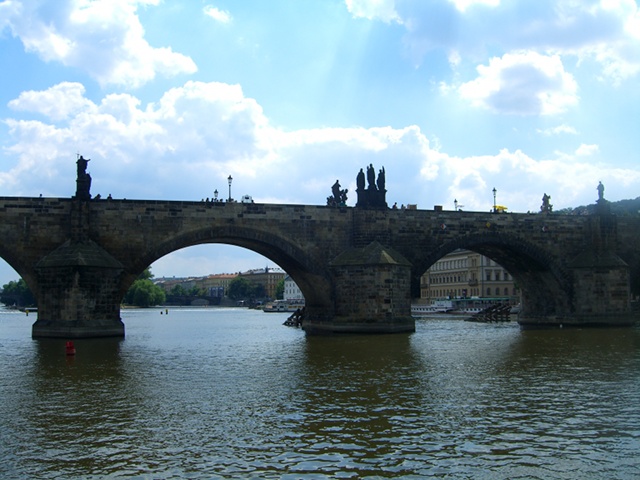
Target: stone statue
{"type": "Point", "coordinates": [82, 166]}
{"type": "Point", "coordinates": [371, 177]}
{"type": "Point", "coordinates": [338, 197]}
{"type": "Point", "coordinates": [83, 180]}
{"type": "Point", "coordinates": [600, 192]}
{"type": "Point", "coordinates": [360, 180]}
{"type": "Point", "coordinates": [336, 190]}
{"type": "Point", "coordinates": [381, 179]}
{"type": "Point", "coordinates": [546, 206]}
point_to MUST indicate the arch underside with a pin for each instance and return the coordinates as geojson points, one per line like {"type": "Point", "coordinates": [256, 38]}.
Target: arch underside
{"type": "Point", "coordinates": [307, 273]}
{"type": "Point", "coordinates": [545, 285]}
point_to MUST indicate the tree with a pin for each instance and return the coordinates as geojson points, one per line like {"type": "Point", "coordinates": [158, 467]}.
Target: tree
{"type": "Point", "coordinates": [257, 291]}
{"type": "Point", "coordinates": [195, 291]}
{"type": "Point", "coordinates": [17, 293]}
{"type": "Point", "coordinates": [143, 292]}
{"type": "Point", "coordinates": [280, 290]}
{"type": "Point", "coordinates": [178, 291]}
{"type": "Point", "coordinates": [239, 288]}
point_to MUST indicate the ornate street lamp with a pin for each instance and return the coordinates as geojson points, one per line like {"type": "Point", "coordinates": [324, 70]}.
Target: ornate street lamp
{"type": "Point", "coordinates": [494, 199]}
{"type": "Point", "coordinates": [231, 180]}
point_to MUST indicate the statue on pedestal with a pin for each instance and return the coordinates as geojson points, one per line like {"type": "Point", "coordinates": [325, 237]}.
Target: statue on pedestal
{"type": "Point", "coordinates": [83, 180]}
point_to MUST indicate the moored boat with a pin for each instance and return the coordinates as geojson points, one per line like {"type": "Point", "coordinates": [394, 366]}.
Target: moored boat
{"type": "Point", "coordinates": [279, 306]}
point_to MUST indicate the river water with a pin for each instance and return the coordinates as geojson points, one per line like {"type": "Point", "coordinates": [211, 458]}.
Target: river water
{"type": "Point", "coordinates": [231, 393]}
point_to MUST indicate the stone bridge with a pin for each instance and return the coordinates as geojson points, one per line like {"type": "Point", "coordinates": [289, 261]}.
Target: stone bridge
{"type": "Point", "coordinates": [358, 268]}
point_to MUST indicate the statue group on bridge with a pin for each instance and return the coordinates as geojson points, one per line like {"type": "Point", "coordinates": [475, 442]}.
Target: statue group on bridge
{"type": "Point", "coordinates": [374, 195]}
{"type": "Point", "coordinates": [338, 197]}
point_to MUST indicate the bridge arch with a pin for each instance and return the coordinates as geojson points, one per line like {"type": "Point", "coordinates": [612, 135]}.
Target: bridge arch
{"type": "Point", "coordinates": [309, 275]}
{"type": "Point", "coordinates": [27, 274]}
{"type": "Point", "coordinates": [543, 280]}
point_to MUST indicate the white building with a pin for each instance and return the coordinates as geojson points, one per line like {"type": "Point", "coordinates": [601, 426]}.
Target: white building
{"type": "Point", "coordinates": [291, 291]}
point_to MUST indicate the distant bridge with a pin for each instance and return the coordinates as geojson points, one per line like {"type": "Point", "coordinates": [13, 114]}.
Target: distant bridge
{"type": "Point", "coordinates": [358, 268]}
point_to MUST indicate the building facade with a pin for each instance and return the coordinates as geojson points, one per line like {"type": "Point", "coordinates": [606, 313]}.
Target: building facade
{"type": "Point", "coordinates": [466, 274]}
{"type": "Point", "coordinates": [292, 292]}
{"type": "Point", "coordinates": [268, 277]}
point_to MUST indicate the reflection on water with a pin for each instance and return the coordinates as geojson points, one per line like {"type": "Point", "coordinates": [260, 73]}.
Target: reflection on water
{"type": "Point", "coordinates": [231, 393]}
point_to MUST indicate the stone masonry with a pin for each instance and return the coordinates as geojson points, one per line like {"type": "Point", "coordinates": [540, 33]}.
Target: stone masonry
{"type": "Point", "coordinates": [357, 268]}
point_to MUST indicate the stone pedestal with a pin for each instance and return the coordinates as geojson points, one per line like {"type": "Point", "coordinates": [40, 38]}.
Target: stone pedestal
{"type": "Point", "coordinates": [372, 293]}
{"type": "Point", "coordinates": [78, 293]}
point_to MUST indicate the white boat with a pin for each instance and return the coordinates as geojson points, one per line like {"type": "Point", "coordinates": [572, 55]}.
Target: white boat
{"type": "Point", "coordinates": [438, 306]}
{"type": "Point", "coordinates": [280, 306]}
{"type": "Point", "coordinates": [456, 306]}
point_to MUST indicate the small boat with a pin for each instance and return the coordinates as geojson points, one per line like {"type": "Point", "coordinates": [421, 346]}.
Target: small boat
{"type": "Point", "coordinates": [279, 306]}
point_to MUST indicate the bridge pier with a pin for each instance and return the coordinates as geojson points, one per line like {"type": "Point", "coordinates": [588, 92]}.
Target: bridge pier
{"type": "Point", "coordinates": [372, 294]}
{"type": "Point", "coordinates": [78, 293]}
{"type": "Point", "coordinates": [600, 293]}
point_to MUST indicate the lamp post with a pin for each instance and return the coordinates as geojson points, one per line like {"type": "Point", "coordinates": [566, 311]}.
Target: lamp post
{"type": "Point", "coordinates": [494, 199]}
{"type": "Point", "coordinates": [215, 195]}
{"type": "Point", "coordinates": [231, 180]}
{"type": "Point", "coordinates": [455, 204]}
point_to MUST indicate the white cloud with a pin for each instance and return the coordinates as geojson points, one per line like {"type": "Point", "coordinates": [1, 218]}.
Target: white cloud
{"type": "Point", "coordinates": [607, 31]}
{"type": "Point", "coordinates": [463, 5]}
{"type": "Point", "coordinates": [558, 130]}
{"type": "Point", "coordinates": [57, 103]}
{"type": "Point", "coordinates": [186, 144]}
{"type": "Point", "coordinates": [218, 15]}
{"type": "Point", "coordinates": [524, 83]}
{"type": "Point", "coordinates": [585, 150]}
{"type": "Point", "coordinates": [103, 37]}
{"type": "Point", "coordinates": [374, 9]}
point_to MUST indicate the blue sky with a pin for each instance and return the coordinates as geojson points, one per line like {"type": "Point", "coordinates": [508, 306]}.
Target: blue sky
{"type": "Point", "coordinates": [453, 97]}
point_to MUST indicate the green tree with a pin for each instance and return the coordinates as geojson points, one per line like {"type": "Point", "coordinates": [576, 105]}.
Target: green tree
{"type": "Point", "coordinates": [178, 291]}
{"type": "Point", "coordinates": [17, 293]}
{"type": "Point", "coordinates": [143, 292]}
{"type": "Point", "coordinates": [146, 274]}
{"type": "Point", "coordinates": [195, 291]}
{"type": "Point", "coordinates": [239, 288]}
{"type": "Point", "coordinates": [257, 291]}
{"type": "Point", "coordinates": [280, 290]}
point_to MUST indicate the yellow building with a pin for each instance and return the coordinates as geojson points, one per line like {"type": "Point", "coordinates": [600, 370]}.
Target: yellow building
{"type": "Point", "coordinates": [268, 277]}
{"type": "Point", "coordinates": [465, 274]}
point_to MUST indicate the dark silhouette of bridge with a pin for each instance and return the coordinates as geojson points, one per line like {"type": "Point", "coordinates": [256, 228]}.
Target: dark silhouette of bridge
{"type": "Point", "coordinates": [358, 268]}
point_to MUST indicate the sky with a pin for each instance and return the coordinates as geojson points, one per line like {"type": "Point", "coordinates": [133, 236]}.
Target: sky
{"type": "Point", "coordinates": [452, 97]}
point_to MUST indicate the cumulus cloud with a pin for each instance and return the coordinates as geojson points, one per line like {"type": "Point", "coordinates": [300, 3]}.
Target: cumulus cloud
{"type": "Point", "coordinates": [585, 150]}
{"type": "Point", "coordinates": [524, 83]}
{"type": "Point", "coordinates": [605, 31]}
{"type": "Point", "coordinates": [185, 145]}
{"type": "Point", "coordinates": [103, 37]}
{"type": "Point", "coordinates": [218, 15]}
{"type": "Point", "coordinates": [57, 103]}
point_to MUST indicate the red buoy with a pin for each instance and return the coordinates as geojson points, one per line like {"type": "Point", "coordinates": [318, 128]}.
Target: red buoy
{"type": "Point", "coordinates": [71, 349]}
